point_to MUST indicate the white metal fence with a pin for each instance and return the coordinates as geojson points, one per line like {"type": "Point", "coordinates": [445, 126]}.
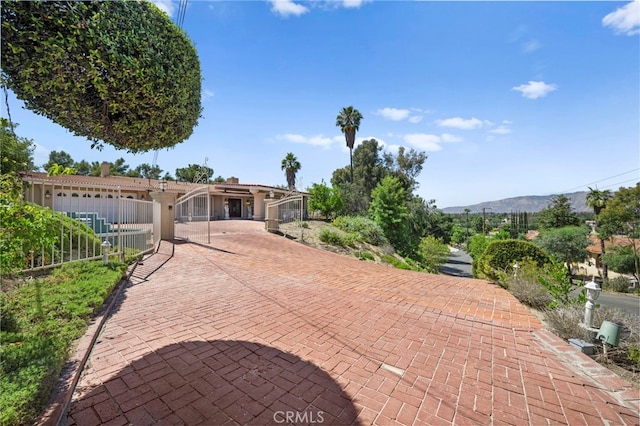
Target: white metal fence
{"type": "Point", "coordinates": [193, 216]}
{"type": "Point", "coordinates": [90, 216]}
{"type": "Point", "coordinates": [288, 209]}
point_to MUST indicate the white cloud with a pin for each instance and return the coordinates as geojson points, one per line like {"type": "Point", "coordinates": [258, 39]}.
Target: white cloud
{"type": "Point", "coordinates": [461, 123]}
{"type": "Point", "coordinates": [500, 130]}
{"type": "Point", "coordinates": [354, 4]}
{"type": "Point", "coordinates": [448, 137]}
{"type": "Point", "coordinates": [207, 94]}
{"type": "Point", "coordinates": [625, 19]}
{"type": "Point", "coordinates": [393, 149]}
{"type": "Point", "coordinates": [393, 114]}
{"type": "Point", "coordinates": [287, 7]}
{"type": "Point", "coordinates": [424, 141]}
{"type": "Point", "coordinates": [318, 140]}
{"type": "Point", "coordinates": [415, 119]}
{"type": "Point", "coordinates": [531, 46]}
{"type": "Point", "coordinates": [166, 6]}
{"type": "Point", "coordinates": [535, 89]}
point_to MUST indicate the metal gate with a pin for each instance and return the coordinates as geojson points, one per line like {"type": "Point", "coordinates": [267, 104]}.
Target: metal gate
{"type": "Point", "coordinates": [193, 216]}
{"type": "Point", "coordinates": [287, 209]}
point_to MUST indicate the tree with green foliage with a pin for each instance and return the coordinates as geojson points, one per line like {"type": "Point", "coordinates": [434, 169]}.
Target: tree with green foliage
{"type": "Point", "coordinates": [622, 259]}
{"type": "Point", "coordinates": [84, 168]}
{"type": "Point", "coordinates": [621, 217]}
{"type": "Point", "coordinates": [388, 208]}
{"type": "Point", "coordinates": [16, 153]}
{"type": "Point", "coordinates": [500, 255]}
{"type": "Point", "coordinates": [145, 171]}
{"type": "Point", "coordinates": [356, 183]}
{"type": "Point", "coordinates": [328, 201]}
{"type": "Point", "coordinates": [118, 72]}
{"type": "Point", "coordinates": [349, 122]}
{"type": "Point", "coordinates": [193, 172]}
{"type": "Point", "coordinates": [477, 245]}
{"type": "Point", "coordinates": [59, 158]}
{"type": "Point", "coordinates": [568, 244]}
{"type": "Point", "coordinates": [597, 200]}
{"type": "Point", "coordinates": [57, 169]}
{"type": "Point", "coordinates": [22, 225]}
{"type": "Point", "coordinates": [458, 234]}
{"type": "Point", "coordinates": [291, 167]}
{"type": "Point", "coordinates": [406, 166]}
{"type": "Point", "coordinates": [433, 253]}
{"type": "Point", "coordinates": [119, 167]}
{"type": "Point", "coordinates": [558, 214]}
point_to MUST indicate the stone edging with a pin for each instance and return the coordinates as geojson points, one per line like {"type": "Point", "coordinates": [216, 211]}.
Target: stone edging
{"type": "Point", "coordinates": [61, 398]}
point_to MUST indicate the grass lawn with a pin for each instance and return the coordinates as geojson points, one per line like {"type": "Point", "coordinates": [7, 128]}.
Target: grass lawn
{"type": "Point", "coordinates": [41, 319]}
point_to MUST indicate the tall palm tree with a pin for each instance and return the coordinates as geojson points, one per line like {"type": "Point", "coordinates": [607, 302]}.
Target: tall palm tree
{"type": "Point", "coordinates": [291, 166]}
{"type": "Point", "coordinates": [597, 200]}
{"type": "Point", "coordinates": [349, 122]}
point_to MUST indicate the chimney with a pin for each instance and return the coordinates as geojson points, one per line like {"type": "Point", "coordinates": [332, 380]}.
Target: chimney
{"type": "Point", "coordinates": [233, 180]}
{"type": "Point", "coordinates": [104, 169]}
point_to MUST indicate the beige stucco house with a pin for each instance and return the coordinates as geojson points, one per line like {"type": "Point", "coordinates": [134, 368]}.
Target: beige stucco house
{"type": "Point", "coordinates": [228, 200]}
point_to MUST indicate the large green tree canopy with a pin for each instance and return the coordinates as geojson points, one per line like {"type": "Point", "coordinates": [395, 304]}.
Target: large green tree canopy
{"type": "Point", "coordinates": [118, 72]}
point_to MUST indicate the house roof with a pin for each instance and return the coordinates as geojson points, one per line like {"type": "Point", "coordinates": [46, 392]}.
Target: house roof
{"type": "Point", "coordinates": [616, 241]}
{"type": "Point", "coordinates": [141, 184]}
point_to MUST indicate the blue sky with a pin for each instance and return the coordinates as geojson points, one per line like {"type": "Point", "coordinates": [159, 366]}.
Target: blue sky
{"type": "Point", "coordinates": [505, 98]}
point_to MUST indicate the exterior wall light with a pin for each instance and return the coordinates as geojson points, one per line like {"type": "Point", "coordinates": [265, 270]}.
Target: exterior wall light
{"type": "Point", "coordinates": [163, 184]}
{"type": "Point", "coordinates": [593, 292]}
{"type": "Point", "coordinates": [47, 194]}
{"type": "Point", "coordinates": [271, 194]}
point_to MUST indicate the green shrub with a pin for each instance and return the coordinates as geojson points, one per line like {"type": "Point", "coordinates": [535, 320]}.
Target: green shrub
{"type": "Point", "coordinates": [556, 279]}
{"type": "Point", "coordinates": [501, 255]}
{"type": "Point", "coordinates": [31, 234]}
{"type": "Point", "coordinates": [41, 320]}
{"type": "Point", "coordinates": [618, 284]}
{"type": "Point", "coordinates": [365, 229]}
{"type": "Point", "coordinates": [433, 253]}
{"type": "Point", "coordinates": [336, 238]}
{"type": "Point", "coordinates": [365, 255]}
{"type": "Point", "coordinates": [526, 287]}
{"type": "Point", "coordinates": [633, 354]}
{"type": "Point", "coordinates": [397, 263]}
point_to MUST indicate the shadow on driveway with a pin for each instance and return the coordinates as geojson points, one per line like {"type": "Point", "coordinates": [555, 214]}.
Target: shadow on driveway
{"type": "Point", "coordinates": [217, 382]}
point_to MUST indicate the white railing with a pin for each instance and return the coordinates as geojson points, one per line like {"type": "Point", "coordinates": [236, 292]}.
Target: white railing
{"type": "Point", "coordinates": [88, 217]}
{"type": "Point", "coordinates": [193, 216]}
{"type": "Point", "coordinates": [287, 209]}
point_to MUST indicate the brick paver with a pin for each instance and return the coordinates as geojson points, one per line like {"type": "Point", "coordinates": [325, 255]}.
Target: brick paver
{"type": "Point", "coordinates": [257, 329]}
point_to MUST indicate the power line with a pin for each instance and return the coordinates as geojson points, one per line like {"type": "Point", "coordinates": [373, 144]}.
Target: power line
{"type": "Point", "coordinates": [601, 180]}
{"type": "Point", "coordinates": [620, 183]}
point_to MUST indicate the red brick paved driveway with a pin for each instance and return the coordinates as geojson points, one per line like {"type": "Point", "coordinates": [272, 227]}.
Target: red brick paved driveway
{"type": "Point", "coordinates": [258, 329]}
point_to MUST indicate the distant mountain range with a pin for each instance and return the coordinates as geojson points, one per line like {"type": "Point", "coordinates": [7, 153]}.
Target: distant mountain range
{"type": "Point", "coordinates": [528, 203]}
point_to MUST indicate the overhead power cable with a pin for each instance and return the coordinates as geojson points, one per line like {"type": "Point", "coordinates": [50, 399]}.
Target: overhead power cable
{"type": "Point", "coordinates": [598, 181]}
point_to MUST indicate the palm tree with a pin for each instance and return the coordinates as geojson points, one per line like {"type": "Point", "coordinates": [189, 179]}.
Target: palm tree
{"type": "Point", "coordinates": [597, 200]}
{"type": "Point", "coordinates": [291, 165]}
{"type": "Point", "coordinates": [349, 122]}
